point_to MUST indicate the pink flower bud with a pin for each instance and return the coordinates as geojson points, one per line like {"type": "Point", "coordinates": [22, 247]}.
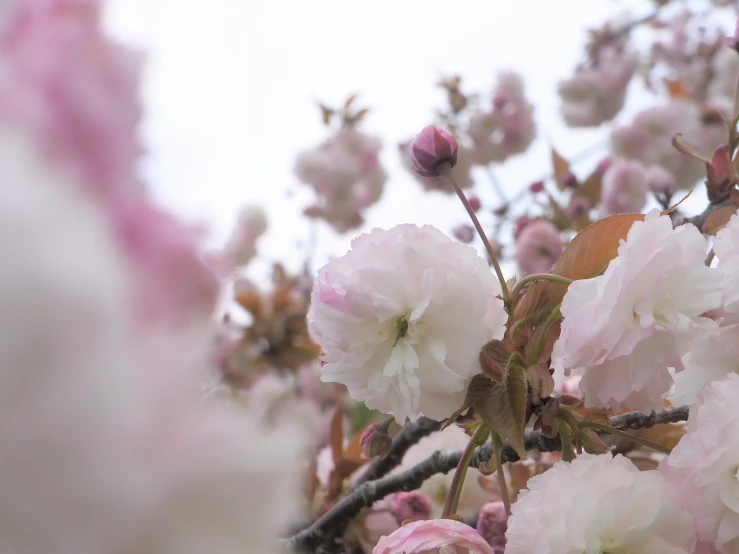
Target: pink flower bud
{"type": "Point", "coordinates": [492, 525]}
{"type": "Point", "coordinates": [603, 166]}
{"type": "Point", "coordinates": [578, 208]}
{"type": "Point", "coordinates": [519, 224]}
{"type": "Point", "coordinates": [432, 148]}
{"type": "Point", "coordinates": [474, 203]}
{"type": "Point", "coordinates": [375, 440]}
{"type": "Point", "coordinates": [464, 233]}
{"type": "Point", "coordinates": [538, 186]}
{"type": "Point", "coordinates": [412, 506]}
{"type": "Point", "coordinates": [721, 172]}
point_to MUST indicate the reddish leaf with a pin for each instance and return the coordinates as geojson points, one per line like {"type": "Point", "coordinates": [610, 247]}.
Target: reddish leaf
{"type": "Point", "coordinates": [587, 256]}
{"type": "Point", "coordinates": [336, 436]}
{"type": "Point", "coordinates": [326, 114]}
{"type": "Point", "coordinates": [350, 101]}
{"type": "Point", "coordinates": [346, 466]}
{"type": "Point", "coordinates": [561, 168]}
{"type": "Point", "coordinates": [540, 381]}
{"type": "Point", "coordinates": [675, 89]}
{"type": "Point", "coordinates": [493, 358]}
{"type": "Point", "coordinates": [718, 219]}
{"type": "Point", "coordinates": [591, 188]}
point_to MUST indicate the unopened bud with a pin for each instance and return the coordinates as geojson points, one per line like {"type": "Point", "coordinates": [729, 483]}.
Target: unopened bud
{"type": "Point", "coordinates": [603, 166]}
{"type": "Point", "coordinates": [578, 208]}
{"type": "Point", "coordinates": [538, 186]}
{"type": "Point", "coordinates": [432, 148]}
{"type": "Point", "coordinates": [519, 224]}
{"type": "Point", "coordinates": [721, 173]}
{"type": "Point", "coordinates": [474, 203]}
{"type": "Point", "coordinates": [492, 524]}
{"type": "Point", "coordinates": [376, 440]}
{"type": "Point", "coordinates": [464, 233]}
{"type": "Point", "coordinates": [410, 506]}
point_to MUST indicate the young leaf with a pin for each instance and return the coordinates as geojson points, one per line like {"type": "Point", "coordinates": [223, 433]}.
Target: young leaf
{"type": "Point", "coordinates": [493, 358]}
{"type": "Point", "coordinates": [561, 167]}
{"type": "Point", "coordinates": [585, 257]}
{"type": "Point", "coordinates": [718, 219]}
{"type": "Point", "coordinates": [591, 188]}
{"type": "Point", "coordinates": [540, 381]}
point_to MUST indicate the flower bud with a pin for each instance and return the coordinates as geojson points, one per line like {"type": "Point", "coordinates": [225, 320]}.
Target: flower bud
{"type": "Point", "coordinates": [464, 233]}
{"type": "Point", "coordinates": [603, 166]}
{"type": "Point", "coordinates": [474, 203]}
{"type": "Point", "coordinates": [492, 524]}
{"type": "Point", "coordinates": [578, 208]}
{"type": "Point", "coordinates": [431, 149]}
{"type": "Point", "coordinates": [721, 173]}
{"type": "Point", "coordinates": [519, 224]}
{"type": "Point", "coordinates": [537, 186]}
{"type": "Point", "coordinates": [410, 506]}
{"type": "Point", "coordinates": [375, 440]}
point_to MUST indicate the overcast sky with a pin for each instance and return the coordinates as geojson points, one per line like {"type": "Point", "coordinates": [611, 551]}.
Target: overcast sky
{"type": "Point", "coordinates": [231, 87]}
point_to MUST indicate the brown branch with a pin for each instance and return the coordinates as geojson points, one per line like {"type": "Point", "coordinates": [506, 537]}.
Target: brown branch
{"type": "Point", "coordinates": [409, 435]}
{"type": "Point", "coordinates": [325, 534]}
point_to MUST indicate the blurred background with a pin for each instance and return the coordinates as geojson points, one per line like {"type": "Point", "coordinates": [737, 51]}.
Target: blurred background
{"type": "Point", "coordinates": [231, 90]}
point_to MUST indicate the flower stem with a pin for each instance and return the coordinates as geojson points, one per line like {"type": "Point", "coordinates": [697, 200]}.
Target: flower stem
{"type": "Point", "coordinates": [498, 453]}
{"type": "Point", "coordinates": [446, 172]}
{"type": "Point", "coordinates": [537, 277]}
{"type": "Point", "coordinates": [455, 489]}
{"type": "Point", "coordinates": [630, 437]}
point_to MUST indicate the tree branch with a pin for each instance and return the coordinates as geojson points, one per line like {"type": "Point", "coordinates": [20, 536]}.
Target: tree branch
{"type": "Point", "coordinates": [409, 435]}
{"type": "Point", "coordinates": [325, 530]}
{"type": "Point", "coordinates": [699, 219]}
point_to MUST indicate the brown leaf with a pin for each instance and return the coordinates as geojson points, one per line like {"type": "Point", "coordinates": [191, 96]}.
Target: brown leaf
{"type": "Point", "coordinates": [336, 435]}
{"type": "Point", "coordinates": [592, 442]}
{"type": "Point", "coordinates": [644, 464]}
{"type": "Point", "coordinates": [350, 101]}
{"type": "Point", "coordinates": [540, 381]}
{"type": "Point", "coordinates": [598, 415]}
{"type": "Point", "coordinates": [495, 407]}
{"type": "Point", "coordinates": [718, 219]}
{"type": "Point", "coordinates": [675, 89]}
{"type": "Point", "coordinates": [346, 466]}
{"type": "Point", "coordinates": [591, 188]}
{"type": "Point", "coordinates": [665, 434]}
{"type": "Point", "coordinates": [586, 256]}
{"type": "Point", "coordinates": [562, 172]}
{"type": "Point", "coordinates": [326, 113]}
{"type": "Point", "coordinates": [493, 358]}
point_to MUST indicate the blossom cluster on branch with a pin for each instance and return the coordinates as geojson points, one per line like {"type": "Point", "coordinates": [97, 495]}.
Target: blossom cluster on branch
{"type": "Point", "coordinates": [415, 395]}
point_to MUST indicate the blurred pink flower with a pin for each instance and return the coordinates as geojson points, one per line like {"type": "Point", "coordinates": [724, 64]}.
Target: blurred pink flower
{"type": "Point", "coordinates": [413, 505]}
{"type": "Point", "coordinates": [596, 93]}
{"type": "Point", "coordinates": [241, 246]}
{"type": "Point", "coordinates": [627, 326]}
{"type": "Point", "coordinates": [624, 188]}
{"type": "Point", "coordinates": [659, 180]}
{"type": "Point", "coordinates": [492, 524]}
{"type": "Point", "coordinates": [346, 175]}
{"type": "Point", "coordinates": [430, 536]}
{"type": "Point", "coordinates": [508, 128]}
{"type": "Point", "coordinates": [648, 139]}
{"type": "Point", "coordinates": [702, 467]}
{"type": "Point", "coordinates": [577, 208]}
{"type": "Point", "coordinates": [464, 233]}
{"type": "Point", "coordinates": [538, 245]}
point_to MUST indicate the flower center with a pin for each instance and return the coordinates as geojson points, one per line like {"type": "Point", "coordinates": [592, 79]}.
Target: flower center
{"type": "Point", "coordinates": [401, 327]}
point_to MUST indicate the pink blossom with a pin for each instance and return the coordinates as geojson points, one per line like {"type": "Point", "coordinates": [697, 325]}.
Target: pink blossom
{"type": "Point", "coordinates": [492, 524]}
{"type": "Point", "coordinates": [508, 128]}
{"type": "Point", "coordinates": [648, 139]}
{"type": "Point", "coordinates": [702, 467]}
{"type": "Point", "coordinates": [578, 208]}
{"type": "Point", "coordinates": [624, 188]}
{"type": "Point", "coordinates": [595, 94]}
{"type": "Point", "coordinates": [461, 171]}
{"type": "Point", "coordinates": [241, 246]}
{"type": "Point", "coordinates": [464, 233]}
{"type": "Point", "coordinates": [412, 506]}
{"type": "Point", "coordinates": [538, 246]}
{"type": "Point", "coordinates": [627, 326]}
{"type": "Point", "coordinates": [346, 175]}
{"type": "Point", "coordinates": [659, 180]}
{"type": "Point", "coordinates": [598, 504]}
{"type": "Point", "coordinates": [432, 536]}
{"type": "Point", "coordinates": [73, 89]}
{"type": "Point", "coordinates": [401, 319]}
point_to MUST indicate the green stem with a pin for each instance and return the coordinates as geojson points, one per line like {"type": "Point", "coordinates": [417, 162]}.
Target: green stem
{"type": "Point", "coordinates": [446, 172]}
{"type": "Point", "coordinates": [498, 443]}
{"type": "Point", "coordinates": [542, 333]}
{"type": "Point", "coordinates": [628, 436]}
{"type": "Point", "coordinates": [538, 277]}
{"type": "Point", "coordinates": [455, 489]}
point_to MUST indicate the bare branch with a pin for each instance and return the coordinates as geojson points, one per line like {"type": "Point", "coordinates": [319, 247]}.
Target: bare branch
{"type": "Point", "coordinates": [325, 534]}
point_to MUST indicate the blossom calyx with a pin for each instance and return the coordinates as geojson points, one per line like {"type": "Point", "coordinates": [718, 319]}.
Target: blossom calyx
{"type": "Point", "coordinates": [431, 150]}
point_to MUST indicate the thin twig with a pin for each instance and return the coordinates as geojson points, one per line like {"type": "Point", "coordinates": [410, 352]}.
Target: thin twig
{"type": "Point", "coordinates": [325, 530]}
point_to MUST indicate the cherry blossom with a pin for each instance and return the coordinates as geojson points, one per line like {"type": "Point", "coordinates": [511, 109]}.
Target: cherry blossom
{"type": "Point", "coordinates": [436, 535]}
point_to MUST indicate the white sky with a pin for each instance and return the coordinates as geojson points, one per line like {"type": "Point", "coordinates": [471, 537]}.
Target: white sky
{"type": "Point", "coordinates": [230, 90]}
